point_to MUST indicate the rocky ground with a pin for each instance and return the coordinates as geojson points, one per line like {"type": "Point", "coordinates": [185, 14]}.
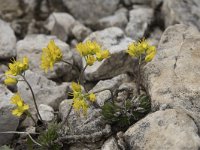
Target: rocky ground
{"type": "Point", "coordinates": [172, 79]}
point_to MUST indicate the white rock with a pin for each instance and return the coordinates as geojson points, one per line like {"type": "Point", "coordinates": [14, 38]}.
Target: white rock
{"type": "Point", "coordinates": [140, 19]}
{"type": "Point", "coordinates": [31, 46]}
{"type": "Point", "coordinates": [46, 112]}
{"type": "Point", "coordinates": [169, 129]}
{"type": "Point", "coordinates": [110, 144]}
{"type": "Point", "coordinates": [181, 11]}
{"type": "Point", "coordinates": [7, 41]}
{"type": "Point", "coordinates": [90, 11]}
{"type": "Point", "coordinates": [46, 91]}
{"type": "Point", "coordinates": [8, 121]}
{"type": "Point", "coordinates": [119, 62]}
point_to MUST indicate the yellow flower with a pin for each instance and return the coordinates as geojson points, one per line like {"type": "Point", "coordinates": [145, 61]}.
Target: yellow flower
{"type": "Point", "coordinates": [90, 59]}
{"type": "Point", "coordinates": [17, 67]}
{"type": "Point", "coordinates": [103, 54]}
{"type": "Point", "coordinates": [76, 87]}
{"type": "Point", "coordinates": [132, 50]}
{"type": "Point", "coordinates": [50, 55]}
{"type": "Point", "coordinates": [92, 97]}
{"type": "Point", "coordinates": [149, 57]}
{"type": "Point", "coordinates": [80, 104]}
{"type": "Point", "coordinates": [21, 107]}
{"type": "Point", "coordinates": [10, 81]}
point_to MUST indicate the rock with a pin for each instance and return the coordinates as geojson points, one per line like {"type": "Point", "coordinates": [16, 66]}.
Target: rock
{"type": "Point", "coordinates": [169, 129]}
{"type": "Point", "coordinates": [110, 144]}
{"type": "Point", "coordinates": [131, 2]}
{"type": "Point", "coordinates": [46, 91]}
{"type": "Point", "coordinates": [90, 129]}
{"type": "Point", "coordinates": [139, 21]}
{"type": "Point", "coordinates": [172, 78]}
{"type": "Point", "coordinates": [119, 19]}
{"type": "Point", "coordinates": [46, 112]}
{"type": "Point", "coordinates": [7, 41]}
{"type": "Point", "coordinates": [155, 36]}
{"type": "Point", "coordinates": [60, 24]}
{"type": "Point", "coordinates": [111, 84]}
{"type": "Point", "coordinates": [181, 11]}
{"type": "Point", "coordinates": [8, 121]}
{"type": "Point", "coordinates": [10, 9]}
{"type": "Point", "coordinates": [3, 68]}
{"type": "Point", "coordinates": [97, 9]}
{"type": "Point", "coordinates": [117, 43]}
{"type": "Point", "coordinates": [80, 31]}
{"type": "Point", "coordinates": [31, 46]}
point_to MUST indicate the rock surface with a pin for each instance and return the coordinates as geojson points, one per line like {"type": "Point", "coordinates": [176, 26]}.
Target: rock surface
{"type": "Point", "coordinates": [117, 43]}
{"type": "Point", "coordinates": [172, 78]}
{"type": "Point", "coordinates": [98, 9]}
{"type": "Point", "coordinates": [169, 129]}
{"type": "Point", "coordinates": [31, 46]}
{"type": "Point", "coordinates": [140, 19]}
{"type": "Point", "coordinates": [7, 41]}
{"type": "Point", "coordinates": [8, 121]}
{"type": "Point", "coordinates": [181, 11]}
{"type": "Point", "coordinates": [46, 91]}
{"type": "Point", "coordinates": [46, 112]}
{"type": "Point", "coordinates": [110, 144]}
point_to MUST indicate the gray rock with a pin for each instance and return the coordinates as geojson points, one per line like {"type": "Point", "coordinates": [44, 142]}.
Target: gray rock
{"type": "Point", "coordinates": [112, 84]}
{"type": "Point", "coordinates": [46, 112]}
{"type": "Point", "coordinates": [131, 2]}
{"type": "Point", "coordinates": [80, 31]}
{"type": "Point", "coordinates": [117, 43]}
{"type": "Point", "coordinates": [155, 36]}
{"type": "Point", "coordinates": [181, 11]}
{"type": "Point", "coordinates": [169, 129]}
{"type": "Point", "coordinates": [119, 19]}
{"type": "Point", "coordinates": [7, 41]}
{"type": "Point", "coordinates": [91, 11]}
{"type": "Point", "coordinates": [60, 24]}
{"type": "Point", "coordinates": [172, 78]}
{"type": "Point", "coordinates": [46, 91]}
{"type": "Point", "coordinates": [110, 144]}
{"type": "Point", "coordinates": [90, 129]}
{"type": "Point", "coordinates": [139, 21]}
{"type": "Point", "coordinates": [31, 46]}
{"type": "Point", "coordinates": [8, 121]}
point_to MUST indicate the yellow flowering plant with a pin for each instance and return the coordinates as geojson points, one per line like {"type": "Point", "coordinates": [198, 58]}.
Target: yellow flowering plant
{"type": "Point", "coordinates": [144, 53]}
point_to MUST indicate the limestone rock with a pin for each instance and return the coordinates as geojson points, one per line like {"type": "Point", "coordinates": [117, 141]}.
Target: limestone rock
{"type": "Point", "coordinates": [31, 46]}
{"type": "Point", "coordinates": [169, 129]}
{"type": "Point", "coordinates": [8, 121]}
{"type": "Point", "coordinates": [117, 43]}
{"type": "Point", "coordinates": [46, 112]}
{"type": "Point", "coordinates": [46, 91]}
{"type": "Point", "coordinates": [110, 144]}
{"type": "Point", "coordinates": [181, 11]}
{"type": "Point", "coordinates": [140, 19]}
{"type": "Point", "coordinates": [7, 41]}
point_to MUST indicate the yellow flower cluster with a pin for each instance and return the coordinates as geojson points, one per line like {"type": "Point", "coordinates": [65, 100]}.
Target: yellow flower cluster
{"type": "Point", "coordinates": [92, 52]}
{"type": "Point", "coordinates": [21, 107]}
{"type": "Point", "coordinates": [15, 68]}
{"type": "Point", "coordinates": [50, 55]}
{"type": "Point", "coordinates": [142, 48]}
{"type": "Point", "coordinates": [80, 99]}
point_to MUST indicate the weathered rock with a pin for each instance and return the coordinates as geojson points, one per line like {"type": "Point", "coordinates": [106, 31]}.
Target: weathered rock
{"type": "Point", "coordinates": [111, 84]}
{"type": "Point", "coordinates": [110, 144]}
{"type": "Point", "coordinates": [46, 91]}
{"type": "Point", "coordinates": [31, 46]}
{"type": "Point", "coordinates": [7, 41]}
{"type": "Point", "coordinates": [140, 19]}
{"type": "Point", "coordinates": [97, 9]}
{"type": "Point", "coordinates": [88, 129]}
{"type": "Point", "coordinates": [60, 24]}
{"type": "Point", "coordinates": [46, 112]}
{"type": "Point", "coordinates": [172, 78]}
{"type": "Point", "coordinates": [119, 19]}
{"type": "Point", "coordinates": [117, 43]}
{"type": "Point", "coordinates": [169, 129]}
{"type": "Point", "coordinates": [80, 31]}
{"type": "Point", "coordinates": [8, 121]}
{"type": "Point", "coordinates": [181, 11]}
{"type": "Point", "coordinates": [155, 36]}
{"type": "Point", "coordinates": [131, 2]}
{"type": "Point", "coordinates": [10, 9]}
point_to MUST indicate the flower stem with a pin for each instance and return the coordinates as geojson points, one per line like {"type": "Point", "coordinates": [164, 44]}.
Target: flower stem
{"type": "Point", "coordinates": [139, 75]}
{"type": "Point", "coordinates": [33, 95]}
{"type": "Point", "coordinates": [73, 66]}
{"type": "Point", "coordinates": [30, 115]}
{"type": "Point", "coordinates": [81, 77]}
{"type": "Point", "coordinates": [65, 119]}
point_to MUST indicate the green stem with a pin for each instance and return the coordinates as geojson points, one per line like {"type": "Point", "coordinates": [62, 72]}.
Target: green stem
{"type": "Point", "coordinates": [33, 95]}
{"type": "Point", "coordinates": [138, 76]}
{"type": "Point", "coordinates": [30, 115]}
{"type": "Point", "coordinates": [81, 78]}
{"type": "Point", "coordinates": [65, 119]}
